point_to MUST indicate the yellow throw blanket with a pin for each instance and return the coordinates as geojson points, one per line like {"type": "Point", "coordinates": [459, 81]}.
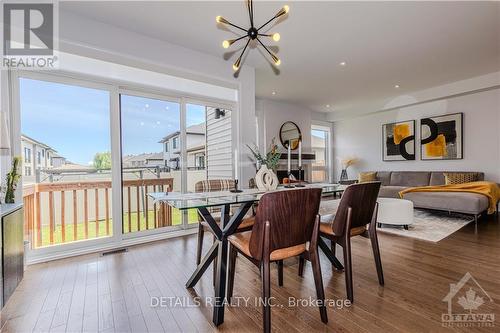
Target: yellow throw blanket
{"type": "Point", "coordinates": [489, 189]}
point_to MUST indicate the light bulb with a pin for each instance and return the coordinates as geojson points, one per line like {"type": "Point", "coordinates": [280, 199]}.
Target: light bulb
{"type": "Point", "coordinates": [236, 65]}
{"type": "Point", "coordinates": [284, 10]}
{"type": "Point", "coordinates": [226, 44]}
{"type": "Point", "coordinates": [276, 37]}
{"type": "Point", "coordinates": [276, 60]}
{"type": "Point", "coordinates": [220, 19]}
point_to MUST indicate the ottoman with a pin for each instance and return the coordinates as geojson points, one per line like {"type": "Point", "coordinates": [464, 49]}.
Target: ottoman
{"type": "Point", "coordinates": [394, 212]}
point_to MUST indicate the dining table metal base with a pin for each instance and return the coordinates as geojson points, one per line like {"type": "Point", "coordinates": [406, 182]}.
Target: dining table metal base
{"type": "Point", "coordinates": [330, 255]}
{"type": "Point", "coordinates": [219, 249]}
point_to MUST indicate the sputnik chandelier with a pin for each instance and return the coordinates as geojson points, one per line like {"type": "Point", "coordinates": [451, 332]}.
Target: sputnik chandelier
{"type": "Point", "coordinates": [252, 34]}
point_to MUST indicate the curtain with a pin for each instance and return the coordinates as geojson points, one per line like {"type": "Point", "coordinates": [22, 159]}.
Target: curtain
{"type": "Point", "coordinates": [4, 124]}
{"type": "Point", "coordinates": [4, 133]}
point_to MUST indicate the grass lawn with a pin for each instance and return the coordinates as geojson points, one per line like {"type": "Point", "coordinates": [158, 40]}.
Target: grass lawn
{"type": "Point", "coordinates": [80, 227]}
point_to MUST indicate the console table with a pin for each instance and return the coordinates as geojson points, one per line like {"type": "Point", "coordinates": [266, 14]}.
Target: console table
{"type": "Point", "coordinates": [12, 249]}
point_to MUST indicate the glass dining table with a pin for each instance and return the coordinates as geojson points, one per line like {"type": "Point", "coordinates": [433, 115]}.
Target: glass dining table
{"type": "Point", "coordinates": [230, 220]}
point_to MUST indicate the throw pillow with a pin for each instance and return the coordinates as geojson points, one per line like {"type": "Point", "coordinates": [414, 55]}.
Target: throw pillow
{"type": "Point", "coordinates": [451, 178]}
{"type": "Point", "coordinates": [364, 177]}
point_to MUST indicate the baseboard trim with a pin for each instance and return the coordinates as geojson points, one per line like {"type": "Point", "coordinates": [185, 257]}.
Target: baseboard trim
{"type": "Point", "coordinates": [34, 259]}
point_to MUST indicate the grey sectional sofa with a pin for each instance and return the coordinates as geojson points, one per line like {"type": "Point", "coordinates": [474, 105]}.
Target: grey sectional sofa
{"type": "Point", "coordinates": [395, 181]}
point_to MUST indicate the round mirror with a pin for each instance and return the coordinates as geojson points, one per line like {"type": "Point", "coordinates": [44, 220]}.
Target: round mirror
{"type": "Point", "coordinates": [290, 132]}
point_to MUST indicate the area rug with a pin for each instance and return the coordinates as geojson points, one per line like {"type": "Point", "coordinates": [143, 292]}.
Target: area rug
{"type": "Point", "coordinates": [430, 225]}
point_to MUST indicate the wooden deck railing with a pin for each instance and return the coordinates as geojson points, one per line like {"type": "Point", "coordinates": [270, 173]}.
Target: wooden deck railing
{"type": "Point", "coordinates": [48, 200]}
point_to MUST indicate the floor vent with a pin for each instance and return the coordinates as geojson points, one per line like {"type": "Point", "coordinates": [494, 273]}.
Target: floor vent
{"type": "Point", "coordinates": [114, 252]}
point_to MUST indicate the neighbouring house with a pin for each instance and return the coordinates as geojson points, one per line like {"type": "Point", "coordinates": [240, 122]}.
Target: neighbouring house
{"type": "Point", "coordinates": [143, 160]}
{"type": "Point", "coordinates": [58, 160]}
{"type": "Point", "coordinates": [37, 156]}
{"type": "Point", "coordinates": [195, 146]}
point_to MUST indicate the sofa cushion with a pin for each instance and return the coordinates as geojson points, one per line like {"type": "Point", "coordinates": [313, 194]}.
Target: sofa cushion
{"type": "Point", "coordinates": [437, 177]}
{"type": "Point", "coordinates": [390, 191]}
{"type": "Point", "coordinates": [410, 178]}
{"type": "Point", "coordinates": [364, 177]}
{"type": "Point", "coordinates": [461, 202]}
{"type": "Point", "coordinates": [384, 177]}
{"type": "Point", "coordinates": [451, 178]}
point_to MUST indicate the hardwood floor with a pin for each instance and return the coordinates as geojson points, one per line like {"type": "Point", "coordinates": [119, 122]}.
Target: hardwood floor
{"type": "Point", "coordinates": [113, 293]}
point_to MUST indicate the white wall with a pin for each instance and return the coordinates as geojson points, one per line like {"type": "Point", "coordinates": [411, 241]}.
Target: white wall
{"type": "Point", "coordinates": [362, 136]}
{"type": "Point", "coordinates": [273, 114]}
{"type": "Point", "coordinates": [93, 39]}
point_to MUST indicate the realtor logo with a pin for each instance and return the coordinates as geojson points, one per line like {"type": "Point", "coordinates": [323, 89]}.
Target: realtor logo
{"type": "Point", "coordinates": [28, 35]}
{"type": "Point", "coordinates": [467, 295]}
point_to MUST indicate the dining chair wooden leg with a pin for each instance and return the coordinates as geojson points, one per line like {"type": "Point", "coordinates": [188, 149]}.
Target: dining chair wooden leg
{"type": "Point", "coordinates": [201, 233]}
{"type": "Point", "coordinates": [348, 268]}
{"type": "Point", "coordinates": [301, 265]}
{"type": "Point", "coordinates": [313, 256]}
{"type": "Point", "coordinates": [280, 273]}
{"type": "Point", "coordinates": [266, 295]}
{"type": "Point", "coordinates": [372, 234]}
{"type": "Point", "coordinates": [266, 278]}
{"type": "Point", "coordinates": [376, 255]}
{"type": "Point", "coordinates": [233, 253]}
{"type": "Point", "coordinates": [318, 281]}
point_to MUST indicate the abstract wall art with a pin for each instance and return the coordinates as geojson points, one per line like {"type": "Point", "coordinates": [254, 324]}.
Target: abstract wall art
{"type": "Point", "coordinates": [399, 141]}
{"type": "Point", "coordinates": [442, 137]}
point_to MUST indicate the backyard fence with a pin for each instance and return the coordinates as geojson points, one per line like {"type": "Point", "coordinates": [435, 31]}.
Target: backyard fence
{"type": "Point", "coordinates": [82, 210]}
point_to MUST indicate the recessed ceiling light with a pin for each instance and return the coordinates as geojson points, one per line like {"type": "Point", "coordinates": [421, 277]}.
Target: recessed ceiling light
{"type": "Point", "coordinates": [396, 86]}
{"type": "Point", "coordinates": [328, 105]}
{"type": "Point", "coordinates": [343, 63]}
{"type": "Point", "coordinates": [274, 93]}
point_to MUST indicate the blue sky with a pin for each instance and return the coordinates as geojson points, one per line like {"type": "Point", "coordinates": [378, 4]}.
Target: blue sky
{"type": "Point", "coordinates": [75, 120]}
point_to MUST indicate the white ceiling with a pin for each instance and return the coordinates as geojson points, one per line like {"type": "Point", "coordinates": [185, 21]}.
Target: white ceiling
{"type": "Point", "coordinates": [416, 45]}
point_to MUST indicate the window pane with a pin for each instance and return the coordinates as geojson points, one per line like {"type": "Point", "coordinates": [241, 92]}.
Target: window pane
{"type": "Point", "coordinates": [208, 150]}
{"type": "Point", "coordinates": [73, 178]}
{"type": "Point", "coordinates": [148, 125]}
{"type": "Point", "coordinates": [195, 150]}
{"type": "Point", "coordinates": [319, 147]}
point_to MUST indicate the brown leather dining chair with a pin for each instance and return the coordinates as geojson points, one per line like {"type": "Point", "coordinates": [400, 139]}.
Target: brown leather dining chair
{"type": "Point", "coordinates": [355, 216]}
{"type": "Point", "coordinates": [286, 225]}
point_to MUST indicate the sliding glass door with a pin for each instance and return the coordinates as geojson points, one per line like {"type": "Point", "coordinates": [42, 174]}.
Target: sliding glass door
{"type": "Point", "coordinates": [90, 149]}
{"type": "Point", "coordinates": [151, 160]}
{"type": "Point", "coordinates": [65, 162]}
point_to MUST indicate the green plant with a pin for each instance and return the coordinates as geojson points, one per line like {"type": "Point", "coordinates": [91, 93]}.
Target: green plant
{"type": "Point", "coordinates": [272, 157]}
{"type": "Point", "coordinates": [102, 161]}
{"type": "Point", "coordinates": [12, 178]}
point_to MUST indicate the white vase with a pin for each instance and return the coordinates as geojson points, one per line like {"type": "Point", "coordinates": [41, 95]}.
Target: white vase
{"type": "Point", "coordinates": [265, 179]}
